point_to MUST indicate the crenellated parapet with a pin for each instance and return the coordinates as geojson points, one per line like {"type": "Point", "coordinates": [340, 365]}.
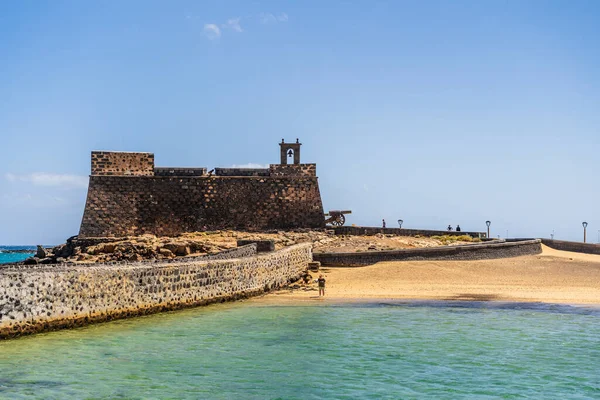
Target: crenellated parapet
{"type": "Point", "coordinates": [112, 163]}
{"type": "Point", "coordinates": [298, 170]}
{"type": "Point", "coordinates": [167, 171]}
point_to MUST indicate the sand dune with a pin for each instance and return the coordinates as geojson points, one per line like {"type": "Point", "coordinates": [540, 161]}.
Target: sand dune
{"type": "Point", "coordinates": [553, 276]}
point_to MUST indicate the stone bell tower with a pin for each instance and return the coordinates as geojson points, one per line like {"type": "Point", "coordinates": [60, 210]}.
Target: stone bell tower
{"type": "Point", "coordinates": [290, 150]}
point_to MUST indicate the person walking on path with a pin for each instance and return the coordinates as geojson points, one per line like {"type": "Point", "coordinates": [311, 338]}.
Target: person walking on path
{"type": "Point", "coordinates": [383, 222]}
{"type": "Point", "coordinates": [321, 281]}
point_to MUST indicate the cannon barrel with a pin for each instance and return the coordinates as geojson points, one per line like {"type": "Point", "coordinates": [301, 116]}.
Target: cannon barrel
{"type": "Point", "coordinates": [338, 212]}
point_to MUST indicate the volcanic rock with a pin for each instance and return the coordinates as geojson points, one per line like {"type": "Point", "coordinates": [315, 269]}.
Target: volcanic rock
{"type": "Point", "coordinates": [31, 261]}
{"type": "Point", "coordinates": [41, 252]}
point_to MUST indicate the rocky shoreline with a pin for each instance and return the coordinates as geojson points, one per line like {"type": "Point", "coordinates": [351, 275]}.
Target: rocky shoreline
{"type": "Point", "coordinates": [150, 247]}
{"type": "Point", "coordinates": [146, 247]}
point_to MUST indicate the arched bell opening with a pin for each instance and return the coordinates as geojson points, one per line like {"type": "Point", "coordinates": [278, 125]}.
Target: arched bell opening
{"type": "Point", "coordinates": [290, 152]}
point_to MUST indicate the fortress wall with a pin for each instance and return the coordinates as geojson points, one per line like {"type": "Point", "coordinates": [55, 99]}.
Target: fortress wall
{"type": "Point", "coordinates": [121, 163]}
{"type": "Point", "coordinates": [42, 298]}
{"type": "Point", "coordinates": [127, 205]}
{"type": "Point", "coordinates": [482, 251]}
{"type": "Point", "coordinates": [293, 169]}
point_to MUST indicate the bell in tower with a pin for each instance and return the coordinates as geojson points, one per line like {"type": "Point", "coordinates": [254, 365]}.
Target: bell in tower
{"type": "Point", "coordinates": [290, 150]}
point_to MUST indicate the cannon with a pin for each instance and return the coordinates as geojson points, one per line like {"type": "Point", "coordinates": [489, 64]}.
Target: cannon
{"type": "Point", "coordinates": [336, 217]}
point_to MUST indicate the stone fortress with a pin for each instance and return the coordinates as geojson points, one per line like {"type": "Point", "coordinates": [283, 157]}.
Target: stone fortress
{"type": "Point", "coordinates": [129, 196]}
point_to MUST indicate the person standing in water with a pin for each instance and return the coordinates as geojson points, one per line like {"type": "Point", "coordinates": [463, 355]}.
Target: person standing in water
{"type": "Point", "coordinates": [321, 281]}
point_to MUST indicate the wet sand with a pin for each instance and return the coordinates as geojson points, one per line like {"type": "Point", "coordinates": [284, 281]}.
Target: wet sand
{"type": "Point", "coordinates": [551, 277]}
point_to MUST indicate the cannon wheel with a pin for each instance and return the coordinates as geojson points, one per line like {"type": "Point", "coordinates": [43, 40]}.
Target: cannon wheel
{"type": "Point", "coordinates": [339, 220]}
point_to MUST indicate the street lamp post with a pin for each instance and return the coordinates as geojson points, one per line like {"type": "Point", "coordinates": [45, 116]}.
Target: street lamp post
{"type": "Point", "coordinates": [585, 224]}
{"type": "Point", "coordinates": [488, 223]}
{"type": "Point", "coordinates": [400, 223]}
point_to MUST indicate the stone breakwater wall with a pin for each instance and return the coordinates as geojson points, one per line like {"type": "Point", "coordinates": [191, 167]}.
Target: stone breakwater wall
{"type": "Point", "coordinates": [490, 250]}
{"type": "Point", "coordinates": [369, 231]}
{"type": "Point", "coordinates": [577, 247]}
{"type": "Point", "coordinates": [42, 298]}
{"type": "Point", "coordinates": [248, 250]}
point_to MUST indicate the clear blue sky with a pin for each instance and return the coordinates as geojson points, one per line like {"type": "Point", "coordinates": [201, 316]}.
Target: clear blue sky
{"type": "Point", "coordinates": [436, 112]}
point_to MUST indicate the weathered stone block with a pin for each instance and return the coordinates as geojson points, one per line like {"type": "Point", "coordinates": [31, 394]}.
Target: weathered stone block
{"type": "Point", "coordinates": [261, 245]}
{"type": "Point", "coordinates": [314, 265]}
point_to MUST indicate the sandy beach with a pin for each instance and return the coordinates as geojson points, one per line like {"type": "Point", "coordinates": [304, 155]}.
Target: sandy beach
{"type": "Point", "coordinates": [552, 277]}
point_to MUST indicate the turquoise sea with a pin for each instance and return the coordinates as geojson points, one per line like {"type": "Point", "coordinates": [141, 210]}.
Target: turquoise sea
{"type": "Point", "coordinates": [9, 254]}
{"type": "Point", "coordinates": [249, 350]}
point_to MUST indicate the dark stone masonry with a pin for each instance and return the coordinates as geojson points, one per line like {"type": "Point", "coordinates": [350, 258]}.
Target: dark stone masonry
{"type": "Point", "coordinates": [122, 163]}
{"type": "Point", "coordinates": [480, 251]}
{"type": "Point", "coordinates": [129, 196]}
{"type": "Point", "coordinates": [576, 247]}
{"type": "Point", "coordinates": [371, 231]}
